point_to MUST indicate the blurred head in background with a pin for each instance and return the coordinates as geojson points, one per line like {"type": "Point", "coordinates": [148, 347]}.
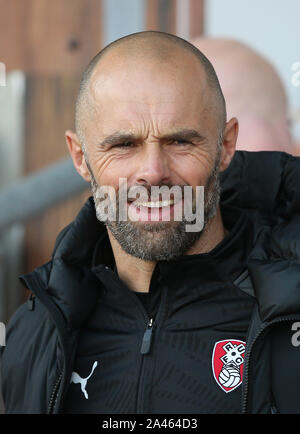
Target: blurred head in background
{"type": "Point", "coordinates": [253, 93]}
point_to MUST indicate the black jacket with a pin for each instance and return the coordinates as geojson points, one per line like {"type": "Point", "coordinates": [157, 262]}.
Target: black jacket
{"type": "Point", "coordinates": [42, 336]}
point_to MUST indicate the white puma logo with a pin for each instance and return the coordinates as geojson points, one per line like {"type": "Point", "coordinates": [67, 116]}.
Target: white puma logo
{"type": "Point", "coordinates": [77, 379]}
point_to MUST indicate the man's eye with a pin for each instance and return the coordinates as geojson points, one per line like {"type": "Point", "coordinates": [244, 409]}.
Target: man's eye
{"type": "Point", "coordinates": [181, 142]}
{"type": "Point", "coordinates": [123, 145]}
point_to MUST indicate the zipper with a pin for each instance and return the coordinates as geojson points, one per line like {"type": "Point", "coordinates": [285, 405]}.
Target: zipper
{"type": "Point", "coordinates": [246, 371]}
{"type": "Point", "coordinates": [144, 350]}
{"type": "Point", "coordinates": [146, 342]}
{"type": "Point", "coordinates": [54, 395]}
{"type": "Point", "coordinates": [34, 283]}
{"type": "Point", "coordinates": [148, 333]}
{"type": "Point", "coordinates": [146, 347]}
{"type": "Point", "coordinates": [147, 336]}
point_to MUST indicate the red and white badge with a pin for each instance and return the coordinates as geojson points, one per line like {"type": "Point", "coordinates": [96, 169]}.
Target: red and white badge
{"type": "Point", "coordinates": [228, 363]}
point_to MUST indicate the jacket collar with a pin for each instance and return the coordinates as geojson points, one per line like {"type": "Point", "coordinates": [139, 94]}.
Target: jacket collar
{"type": "Point", "coordinates": [68, 278]}
{"type": "Point", "coordinates": [266, 185]}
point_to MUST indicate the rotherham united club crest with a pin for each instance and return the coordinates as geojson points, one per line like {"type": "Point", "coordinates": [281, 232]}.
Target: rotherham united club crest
{"type": "Point", "coordinates": [228, 363]}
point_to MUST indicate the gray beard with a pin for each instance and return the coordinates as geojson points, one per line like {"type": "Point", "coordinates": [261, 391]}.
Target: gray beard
{"type": "Point", "coordinates": [161, 241]}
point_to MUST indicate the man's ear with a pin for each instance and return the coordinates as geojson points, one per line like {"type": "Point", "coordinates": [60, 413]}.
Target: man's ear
{"type": "Point", "coordinates": [77, 155]}
{"type": "Point", "coordinates": [229, 142]}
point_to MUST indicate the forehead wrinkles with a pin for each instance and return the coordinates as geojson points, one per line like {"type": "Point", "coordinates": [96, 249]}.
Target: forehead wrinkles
{"type": "Point", "coordinates": [142, 89]}
{"type": "Point", "coordinates": [148, 91]}
{"type": "Point", "coordinates": [142, 118]}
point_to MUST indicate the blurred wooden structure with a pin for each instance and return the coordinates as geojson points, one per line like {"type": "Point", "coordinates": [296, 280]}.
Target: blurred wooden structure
{"type": "Point", "coordinates": [162, 15]}
{"type": "Point", "coordinates": [51, 42]}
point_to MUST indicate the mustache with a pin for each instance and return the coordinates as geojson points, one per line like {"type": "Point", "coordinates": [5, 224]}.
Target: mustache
{"type": "Point", "coordinates": [150, 191]}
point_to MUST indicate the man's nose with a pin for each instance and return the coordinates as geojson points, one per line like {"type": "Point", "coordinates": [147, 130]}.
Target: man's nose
{"type": "Point", "coordinates": [153, 166]}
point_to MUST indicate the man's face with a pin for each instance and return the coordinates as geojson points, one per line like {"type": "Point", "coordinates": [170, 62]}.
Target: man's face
{"type": "Point", "coordinates": [153, 125]}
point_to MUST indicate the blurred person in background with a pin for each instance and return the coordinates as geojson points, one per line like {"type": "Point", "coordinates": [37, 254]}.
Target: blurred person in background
{"type": "Point", "coordinates": [254, 93]}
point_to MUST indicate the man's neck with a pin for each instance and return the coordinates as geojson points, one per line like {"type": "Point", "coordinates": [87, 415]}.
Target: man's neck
{"type": "Point", "coordinates": [136, 273]}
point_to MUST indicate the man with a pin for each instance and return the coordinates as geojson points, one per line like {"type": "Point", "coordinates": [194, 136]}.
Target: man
{"type": "Point", "coordinates": [141, 315]}
{"type": "Point", "coordinates": [253, 92]}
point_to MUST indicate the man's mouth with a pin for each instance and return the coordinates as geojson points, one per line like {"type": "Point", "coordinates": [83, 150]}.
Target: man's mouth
{"type": "Point", "coordinates": [156, 204]}
{"type": "Point", "coordinates": [151, 211]}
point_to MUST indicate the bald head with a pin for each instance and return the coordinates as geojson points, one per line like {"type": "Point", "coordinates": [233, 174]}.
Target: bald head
{"type": "Point", "coordinates": [253, 93]}
{"type": "Point", "coordinates": [150, 49]}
